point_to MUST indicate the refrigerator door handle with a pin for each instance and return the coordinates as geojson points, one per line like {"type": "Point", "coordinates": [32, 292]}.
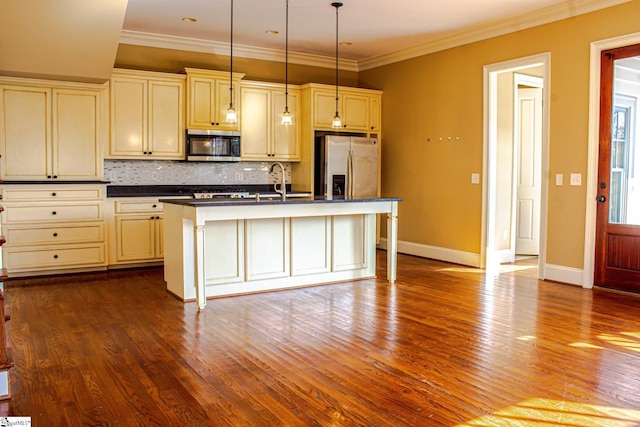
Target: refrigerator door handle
{"type": "Point", "coordinates": [349, 191]}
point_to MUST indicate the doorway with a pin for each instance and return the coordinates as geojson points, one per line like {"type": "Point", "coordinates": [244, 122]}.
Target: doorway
{"type": "Point", "coordinates": [617, 249]}
{"type": "Point", "coordinates": [510, 215]}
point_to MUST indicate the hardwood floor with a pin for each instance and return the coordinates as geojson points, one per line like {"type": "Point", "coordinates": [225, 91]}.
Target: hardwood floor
{"type": "Point", "coordinates": [444, 346]}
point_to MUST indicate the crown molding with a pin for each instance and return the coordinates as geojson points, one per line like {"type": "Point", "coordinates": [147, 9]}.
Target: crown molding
{"type": "Point", "coordinates": [218, 48]}
{"type": "Point", "coordinates": [483, 32]}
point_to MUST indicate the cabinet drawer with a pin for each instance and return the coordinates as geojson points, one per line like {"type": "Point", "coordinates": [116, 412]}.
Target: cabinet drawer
{"type": "Point", "coordinates": [16, 214]}
{"type": "Point", "coordinates": [50, 194]}
{"type": "Point", "coordinates": [139, 206]}
{"type": "Point", "coordinates": [44, 258]}
{"type": "Point", "coordinates": [17, 236]}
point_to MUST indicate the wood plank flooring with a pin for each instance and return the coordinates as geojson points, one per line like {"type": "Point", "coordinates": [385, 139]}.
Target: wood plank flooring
{"type": "Point", "coordinates": [445, 346]}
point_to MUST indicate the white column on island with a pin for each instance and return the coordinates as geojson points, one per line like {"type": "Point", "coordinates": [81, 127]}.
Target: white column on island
{"type": "Point", "coordinates": [392, 242]}
{"type": "Point", "coordinates": [201, 296]}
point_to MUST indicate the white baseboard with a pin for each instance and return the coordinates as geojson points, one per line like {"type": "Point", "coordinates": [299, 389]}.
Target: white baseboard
{"type": "Point", "coordinates": [560, 273]}
{"type": "Point", "coordinates": [557, 273]}
{"type": "Point", "coordinates": [434, 252]}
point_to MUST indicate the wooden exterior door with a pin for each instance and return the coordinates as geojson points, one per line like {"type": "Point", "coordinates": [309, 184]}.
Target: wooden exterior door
{"type": "Point", "coordinates": [617, 257]}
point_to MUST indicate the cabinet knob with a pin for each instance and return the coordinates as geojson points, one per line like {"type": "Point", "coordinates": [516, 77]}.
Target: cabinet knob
{"type": "Point", "coordinates": [144, 152]}
{"type": "Point", "coordinates": [55, 234]}
{"type": "Point", "coordinates": [55, 257]}
{"type": "Point", "coordinates": [150, 152]}
{"type": "Point", "coordinates": [154, 206]}
{"type": "Point", "coordinates": [157, 217]}
{"type": "Point", "coordinates": [54, 213]}
{"type": "Point", "coordinates": [49, 176]}
{"type": "Point", "coordinates": [151, 218]}
{"type": "Point", "coordinates": [53, 194]}
{"type": "Point", "coordinates": [55, 176]}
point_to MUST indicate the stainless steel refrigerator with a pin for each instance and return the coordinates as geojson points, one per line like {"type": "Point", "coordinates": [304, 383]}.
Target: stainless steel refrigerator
{"type": "Point", "coordinates": [346, 167]}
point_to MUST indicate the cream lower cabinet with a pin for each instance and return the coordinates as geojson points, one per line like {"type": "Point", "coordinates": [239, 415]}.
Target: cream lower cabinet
{"type": "Point", "coordinates": [52, 132]}
{"type": "Point", "coordinates": [136, 231]}
{"type": "Point", "coordinates": [53, 228]}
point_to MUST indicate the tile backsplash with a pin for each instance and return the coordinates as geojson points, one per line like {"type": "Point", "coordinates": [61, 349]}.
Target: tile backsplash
{"type": "Point", "coordinates": [167, 172]}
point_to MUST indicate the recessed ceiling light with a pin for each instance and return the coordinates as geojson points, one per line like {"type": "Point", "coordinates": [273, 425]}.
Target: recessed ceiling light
{"type": "Point", "coordinates": [189, 19]}
{"type": "Point", "coordinates": [345, 43]}
{"type": "Point", "coordinates": [272, 32]}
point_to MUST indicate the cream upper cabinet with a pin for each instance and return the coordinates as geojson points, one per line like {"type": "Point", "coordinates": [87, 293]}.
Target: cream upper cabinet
{"type": "Point", "coordinates": [147, 115]}
{"type": "Point", "coordinates": [208, 95]}
{"type": "Point", "coordinates": [375, 113]}
{"type": "Point", "coordinates": [359, 109]}
{"type": "Point", "coordinates": [51, 133]}
{"type": "Point", "coordinates": [264, 137]}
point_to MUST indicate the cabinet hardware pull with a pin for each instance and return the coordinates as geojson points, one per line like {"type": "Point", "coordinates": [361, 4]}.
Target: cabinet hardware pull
{"type": "Point", "coordinates": [151, 218]}
{"type": "Point", "coordinates": [144, 152]}
{"type": "Point", "coordinates": [54, 194]}
{"type": "Point", "coordinates": [53, 213]}
{"type": "Point", "coordinates": [154, 206]}
{"type": "Point", "coordinates": [55, 257]}
{"type": "Point", "coordinates": [49, 176]}
{"type": "Point", "coordinates": [150, 152]}
{"type": "Point", "coordinates": [55, 234]}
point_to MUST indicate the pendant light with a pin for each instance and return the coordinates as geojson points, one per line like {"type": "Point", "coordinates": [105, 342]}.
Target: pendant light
{"type": "Point", "coordinates": [286, 115]}
{"type": "Point", "coordinates": [232, 116]}
{"type": "Point", "coordinates": [337, 122]}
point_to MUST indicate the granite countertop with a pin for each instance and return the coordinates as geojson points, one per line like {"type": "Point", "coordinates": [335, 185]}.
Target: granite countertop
{"type": "Point", "coordinates": [183, 189]}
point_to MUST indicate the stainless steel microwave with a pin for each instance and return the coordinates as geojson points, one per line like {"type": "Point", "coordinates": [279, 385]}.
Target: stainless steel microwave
{"type": "Point", "coordinates": [213, 146]}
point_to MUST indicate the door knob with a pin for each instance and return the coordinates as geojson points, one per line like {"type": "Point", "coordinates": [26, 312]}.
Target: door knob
{"type": "Point", "coordinates": [602, 199]}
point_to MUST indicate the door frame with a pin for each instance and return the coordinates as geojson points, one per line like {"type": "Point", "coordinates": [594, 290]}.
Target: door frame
{"type": "Point", "coordinates": [593, 145]}
{"type": "Point", "coordinates": [489, 259]}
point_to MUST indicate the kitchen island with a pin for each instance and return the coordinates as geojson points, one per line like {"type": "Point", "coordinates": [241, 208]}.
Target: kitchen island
{"type": "Point", "coordinates": [227, 247]}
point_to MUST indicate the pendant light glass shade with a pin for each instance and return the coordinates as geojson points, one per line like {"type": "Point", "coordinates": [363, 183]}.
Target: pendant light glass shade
{"type": "Point", "coordinates": [337, 122]}
{"type": "Point", "coordinates": [232, 116]}
{"type": "Point", "coordinates": [286, 115]}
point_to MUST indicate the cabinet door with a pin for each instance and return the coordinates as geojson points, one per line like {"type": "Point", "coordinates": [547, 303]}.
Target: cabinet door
{"type": "Point", "coordinates": [255, 125]}
{"type": "Point", "coordinates": [25, 114]}
{"type": "Point", "coordinates": [159, 237]}
{"type": "Point", "coordinates": [355, 110]}
{"type": "Point", "coordinates": [166, 119]}
{"type": "Point", "coordinates": [77, 148]}
{"type": "Point", "coordinates": [324, 109]}
{"type": "Point", "coordinates": [375, 113]}
{"type": "Point", "coordinates": [285, 141]}
{"type": "Point", "coordinates": [135, 237]}
{"type": "Point", "coordinates": [128, 117]}
{"type": "Point", "coordinates": [224, 243]}
{"type": "Point", "coordinates": [202, 103]}
{"type": "Point", "coordinates": [272, 233]}
{"type": "Point", "coordinates": [310, 245]}
{"type": "Point", "coordinates": [222, 97]}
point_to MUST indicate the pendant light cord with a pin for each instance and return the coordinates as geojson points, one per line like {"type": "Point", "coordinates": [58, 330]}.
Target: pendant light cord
{"type": "Point", "coordinates": [231, 63]}
{"type": "Point", "coordinates": [286, 61]}
{"type": "Point", "coordinates": [337, 6]}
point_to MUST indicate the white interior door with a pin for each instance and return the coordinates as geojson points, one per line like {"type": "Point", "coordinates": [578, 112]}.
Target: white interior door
{"type": "Point", "coordinates": [528, 133]}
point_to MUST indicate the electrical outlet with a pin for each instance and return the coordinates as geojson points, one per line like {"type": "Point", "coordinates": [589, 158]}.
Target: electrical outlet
{"type": "Point", "coordinates": [475, 178]}
{"type": "Point", "coordinates": [239, 176]}
{"type": "Point", "coordinates": [154, 175]}
{"type": "Point", "coordinates": [558, 179]}
{"type": "Point", "coordinates": [576, 179]}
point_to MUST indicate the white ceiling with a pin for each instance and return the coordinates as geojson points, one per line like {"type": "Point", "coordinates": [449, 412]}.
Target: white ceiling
{"type": "Point", "coordinates": [376, 28]}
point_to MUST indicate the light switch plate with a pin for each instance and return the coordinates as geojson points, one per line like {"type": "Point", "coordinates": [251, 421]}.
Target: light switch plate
{"type": "Point", "coordinates": [576, 179]}
{"type": "Point", "coordinates": [558, 179]}
{"type": "Point", "coordinates": [475, 178]}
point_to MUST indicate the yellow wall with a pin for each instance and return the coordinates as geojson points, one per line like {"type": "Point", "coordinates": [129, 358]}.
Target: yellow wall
{"type": "Point", "coordinates": [440, 95]}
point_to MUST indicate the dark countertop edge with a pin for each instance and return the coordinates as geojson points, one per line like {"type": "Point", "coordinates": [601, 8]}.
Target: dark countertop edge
{"type": "Point", "coordinates": [51, 182]}
{"type": "Point", "coordinates": [293, 201]}
{"type": "Point", "coordinates": [183, 189]}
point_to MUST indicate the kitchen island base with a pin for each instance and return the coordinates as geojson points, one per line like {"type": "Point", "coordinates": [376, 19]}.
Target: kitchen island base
{"type": "Point", "coordinates": [219, 249]}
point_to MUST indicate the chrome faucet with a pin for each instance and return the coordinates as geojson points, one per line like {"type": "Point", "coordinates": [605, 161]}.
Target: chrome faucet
{"type": "Point", "coordinates": [283, 184]}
